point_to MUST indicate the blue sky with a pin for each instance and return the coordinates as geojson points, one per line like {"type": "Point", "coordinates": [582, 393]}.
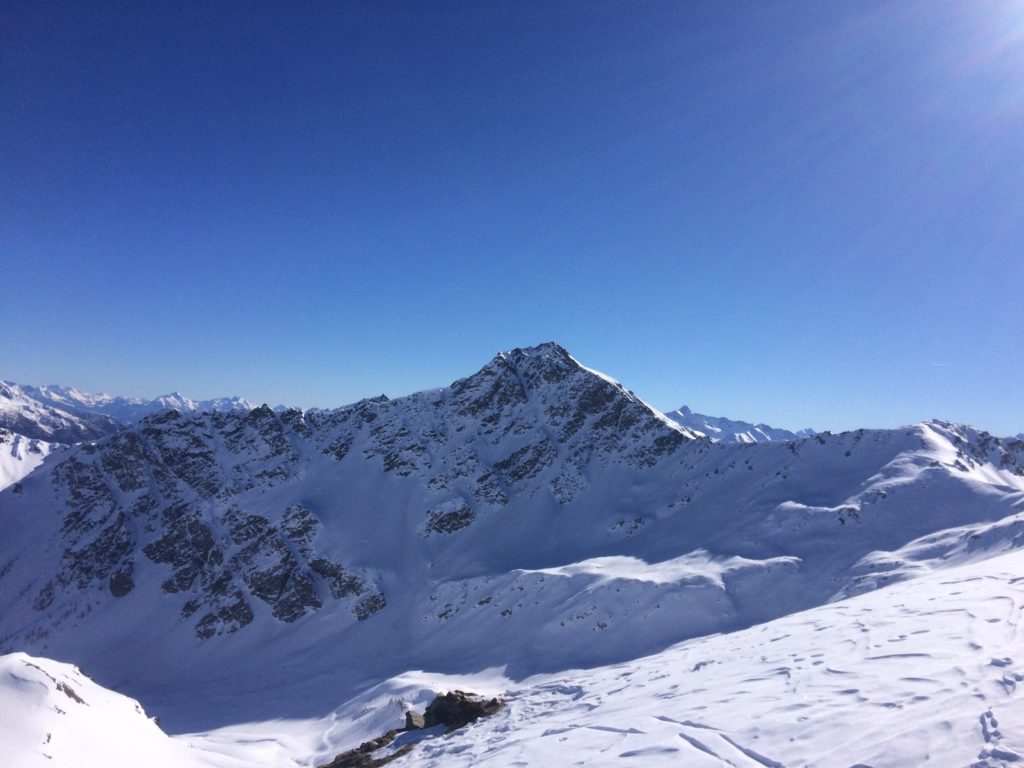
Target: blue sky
{"type": "Point", "coordinates": [810, 214]}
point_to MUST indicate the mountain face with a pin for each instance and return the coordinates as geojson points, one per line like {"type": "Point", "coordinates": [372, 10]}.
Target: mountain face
{"type": "Point", "coordinates": [534, 516]}
{"type": "Point", "coordinates": [65, 415]}
{"type": "Point", "coordinates": [729, 431]}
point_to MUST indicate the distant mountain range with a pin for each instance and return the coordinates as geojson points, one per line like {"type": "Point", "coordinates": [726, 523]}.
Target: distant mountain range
{"type": "Point", "coordinates": [38, 420]}
{"type": "Point", "coordinates": [65, 415]}
{"type": "Point", "coordinates": [730, 431]}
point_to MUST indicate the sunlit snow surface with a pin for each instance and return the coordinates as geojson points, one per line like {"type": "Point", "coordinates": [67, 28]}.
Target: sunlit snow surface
{"type": "Point", "coordinates": [928, 671]}
{"type": "Point", "coordinates": [20, 456]}
{"type": "Point", "coordinates": [53, 715]}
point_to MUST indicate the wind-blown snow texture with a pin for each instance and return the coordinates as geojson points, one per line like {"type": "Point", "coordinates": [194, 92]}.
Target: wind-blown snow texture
{"type": "Point", "coordinates": [534, 516]}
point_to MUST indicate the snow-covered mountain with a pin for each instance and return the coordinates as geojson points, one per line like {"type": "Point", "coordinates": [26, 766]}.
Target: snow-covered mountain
{"type": "Point", "coordinates": [730, 431]}
{"type": "Point", "coordinates": [20, 455]}
{"type": "Point", "coordinates": [535, 516]}
{"type": "Point", "coordinates": [65, 415]}
{"type": "Point", "coordinates": [37, 419]}
{"type": "Point", "coordinates": [529, 519]}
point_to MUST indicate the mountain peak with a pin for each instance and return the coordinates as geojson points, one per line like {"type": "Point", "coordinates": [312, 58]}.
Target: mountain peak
{"type": "Point", "coordinates": [548, 362]}
{"type": "Point", "coordinates": [544, 348]}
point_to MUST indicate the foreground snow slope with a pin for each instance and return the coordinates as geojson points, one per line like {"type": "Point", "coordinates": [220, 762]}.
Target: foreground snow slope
{"type": "Point", "coordinates": [233, 567]}
{"type": "Point", "coordinates": [53, 715]}
{"type": "Point", "coordinates": [925, 672]}
{"type": "Point", "coordinates": [20, 455]}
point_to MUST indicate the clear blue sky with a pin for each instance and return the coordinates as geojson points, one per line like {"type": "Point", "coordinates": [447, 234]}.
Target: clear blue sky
{"type": "Point", "coordinates": [807, 213]}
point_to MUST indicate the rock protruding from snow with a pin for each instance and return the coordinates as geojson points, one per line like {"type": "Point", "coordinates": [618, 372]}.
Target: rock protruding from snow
{"type": "Point", "coordinates": [455, 709]}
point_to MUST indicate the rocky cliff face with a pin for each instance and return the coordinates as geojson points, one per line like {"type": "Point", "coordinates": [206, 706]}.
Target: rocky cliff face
{"type": "Point", "coordinates": [175, 495]}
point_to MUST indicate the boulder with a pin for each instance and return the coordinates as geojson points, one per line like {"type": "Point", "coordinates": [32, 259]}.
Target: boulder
{"type": "Point", "coordinates": [457, 708]}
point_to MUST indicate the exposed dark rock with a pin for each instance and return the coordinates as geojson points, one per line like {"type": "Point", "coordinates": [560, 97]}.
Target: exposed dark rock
{"type": "Point", "coordinates": [341, 582]}
{"type": "Point", "coordinates": [338, 449]}
{"type": "Point", "coordinates": [447, 520]}
{"type": "Point", "coordinates": [121, 582]}
{"type": "Point", "coordinates": [45, 597]}
{"type": "Point", "coordinates": [453, 710]}
{"type": "Point", "coordinates": [362, 756]}
{"type": "Point", "coordinates": [187, 546]}
{"type": "Point", "coordinates": [526, 462]}
{"type": "Point", "coordinates": [369, 605]}
{"type": "Point", "coordinates": [227, 619]}
{"type": "Point", "coordinates": [68, 691]}
{"type": "Point", "coordinates": [458, 708]}
{"type": "Point", "coordinates": [300, 525]}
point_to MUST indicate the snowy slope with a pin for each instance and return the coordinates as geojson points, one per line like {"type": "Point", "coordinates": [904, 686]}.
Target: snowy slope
{"type": "Point", "coordinates": [535, 516]}
{"type": "Point", "coordinates": [927, 672]}
{"type": "Point", "coordinates": [730, 431]}
{"type": "Point", "coordinates": [53, 715]}
{"type": "Point", "coordinates": [20, 455]}
{"type": "Point", "coordinates": [65, 415]}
